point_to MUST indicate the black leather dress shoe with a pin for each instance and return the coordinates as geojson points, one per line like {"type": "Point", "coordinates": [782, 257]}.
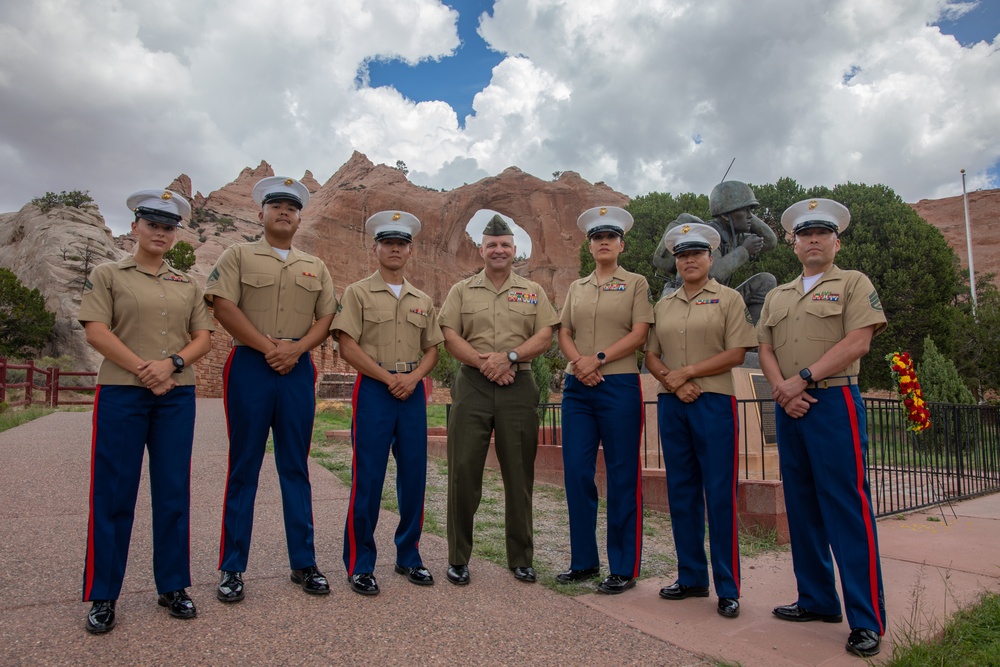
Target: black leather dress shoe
{"type": "Point", "coordinates": [230, 587]}
{"type": "Point", "coordinates": [569, 576]}
{"type": "Point", "coordinates": [729, 607]}
{"type": "Point", "coordinates": [614, 584]}
{"type": "Point", "coordinates": [793, 612]}
{"type": "Point", "coordinates": [364, 583]}
{"type": "Point", "coordinates": [525, 574]}
{"type": "Point", "coordinates": [178, 603]}
{"type": "Point", "coordinates": [458, 574]}
{"type": "Point", "coordinates": [312, 581]}
{"type": "Point", "coordinates": [416, 575]}
{"type": "Point", "coordinates": [863, 642]}
{"type": "Point", "coordinates": [101, 617]}
{"type": "Point", "coordinates": [678, 591]}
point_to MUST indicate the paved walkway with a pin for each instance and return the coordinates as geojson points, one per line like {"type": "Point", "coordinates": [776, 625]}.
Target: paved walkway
{"type": "Point", "coordinates": [930, 569]}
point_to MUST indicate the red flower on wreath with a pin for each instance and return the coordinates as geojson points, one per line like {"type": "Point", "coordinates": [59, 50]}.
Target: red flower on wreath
{"type": "Point", "coordinates": [901, 367]}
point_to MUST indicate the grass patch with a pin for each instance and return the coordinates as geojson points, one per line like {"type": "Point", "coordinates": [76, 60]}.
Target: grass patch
{"type": "Point", "coordinates": [16, 416]}
{"type": "Point", "coordinates": [336, 416]}
{"type": "Point", "coordinates": [971, 638]}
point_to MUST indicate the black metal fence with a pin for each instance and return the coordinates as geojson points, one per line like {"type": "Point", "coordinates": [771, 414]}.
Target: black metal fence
{"type": "Point", "coordinates": [957, 457]}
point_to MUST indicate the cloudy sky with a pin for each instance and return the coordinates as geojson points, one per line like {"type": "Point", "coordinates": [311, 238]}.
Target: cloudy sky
{"type": "Point", "coordinates": [112, 96]}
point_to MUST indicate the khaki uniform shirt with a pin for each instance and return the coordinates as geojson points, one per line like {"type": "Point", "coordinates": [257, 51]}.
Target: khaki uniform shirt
{"type": "Point", "coordinates": [688, 331]}
{"type": "Point", "coordinates": [494, 320]}
{"type": "Point", "coordinates": [600, 315]}
{"type": "Point", "coordinates": [280, 298]}
{"type": "Point", "coordinates": [151, 313]}
{"type": "Point", "coordinates": [388, 329]}
{"type": "Point", "coordinates": [802, 326]}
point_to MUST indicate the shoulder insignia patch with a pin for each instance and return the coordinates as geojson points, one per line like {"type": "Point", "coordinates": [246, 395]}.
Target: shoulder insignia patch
{"type": "Point", "coordinates": [515, 296]}
{"type": "Point", "coordinates": [874, 301]}
{"type": "Point", "coordinates": [747, 315]}
{"type": "Point", "coordinates": [87, 285]}
{"type": "Point", "coordinates": [214, 275]}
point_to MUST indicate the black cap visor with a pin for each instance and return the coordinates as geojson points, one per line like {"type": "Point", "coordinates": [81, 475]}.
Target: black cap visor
{"type": "Point", "coordinates": [694, 245]}
{"type": "Point", "coordinates": [600, 229]}
{"type": "Point", "coordinates": [394, 234]}
{"type": "Point", "coordinates": [159, 217]}
{"type": "Point", "coordinates": [813, 224]}
{"type": "Point", "coordinates": [281, 196]}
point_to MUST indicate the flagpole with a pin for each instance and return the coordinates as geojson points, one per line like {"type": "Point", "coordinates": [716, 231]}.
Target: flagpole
{"type": "Point", "coordinates": [968, 242]}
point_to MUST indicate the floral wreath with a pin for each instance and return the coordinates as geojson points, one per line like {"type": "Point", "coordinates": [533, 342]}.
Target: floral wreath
{"type": "Point", "coordinates": [901, 367]}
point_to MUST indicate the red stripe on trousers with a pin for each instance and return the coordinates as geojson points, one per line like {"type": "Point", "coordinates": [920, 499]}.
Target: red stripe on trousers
{"type": "Point", "coordinates": [352, 543]}
{"type": "Point", "coordinates": [638, 486]}
{"type": "Point", "coordinates": [865, 508]}
{"type": "Point", "coordinates": [736, 476]}
{"type": "Point", "coordinates": [229, 458]}
{"type": "Point", "coordinates": [89, 565]}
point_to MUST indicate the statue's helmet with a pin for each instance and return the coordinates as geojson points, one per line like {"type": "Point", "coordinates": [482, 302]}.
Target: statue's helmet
{"type": "Point", "coordinates": [730, 196]}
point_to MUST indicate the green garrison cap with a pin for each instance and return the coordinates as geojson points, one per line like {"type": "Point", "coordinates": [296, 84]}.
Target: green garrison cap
{"type": "Point", "coordinates": [497, 226]}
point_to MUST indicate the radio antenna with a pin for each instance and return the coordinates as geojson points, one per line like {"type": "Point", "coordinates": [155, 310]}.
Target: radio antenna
{"type": "Point", "coordinates": [727, 170]}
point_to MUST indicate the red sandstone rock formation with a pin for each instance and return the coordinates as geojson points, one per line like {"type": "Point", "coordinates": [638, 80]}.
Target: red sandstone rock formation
{"type": "Point", "coordinates": [948, 215]}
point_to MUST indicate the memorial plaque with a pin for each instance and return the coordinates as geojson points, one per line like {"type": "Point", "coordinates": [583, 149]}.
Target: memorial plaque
{"type": "Point", "coordinates": [765, 407]}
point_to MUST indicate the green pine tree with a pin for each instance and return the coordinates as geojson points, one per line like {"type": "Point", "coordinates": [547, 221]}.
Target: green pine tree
{"type": "Point", "coordinates": [939, 378]}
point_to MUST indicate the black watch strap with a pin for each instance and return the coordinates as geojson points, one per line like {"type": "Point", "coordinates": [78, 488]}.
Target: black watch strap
{"type": "Point", "coordinates": [178, 362]}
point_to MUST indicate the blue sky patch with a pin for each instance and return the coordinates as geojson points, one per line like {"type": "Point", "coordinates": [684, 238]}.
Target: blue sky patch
{"type": "Point", "coordinates": [455, 79]}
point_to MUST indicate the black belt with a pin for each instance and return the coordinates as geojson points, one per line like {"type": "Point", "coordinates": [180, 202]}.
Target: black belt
{"type": "Point", "coordinates": [401, 366]}
{"type": "Point", "coordinates": [835, 381]}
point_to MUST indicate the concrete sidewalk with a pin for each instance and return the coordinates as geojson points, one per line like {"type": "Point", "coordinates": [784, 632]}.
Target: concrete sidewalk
{"type": "Point", "coordinates": [930, 569]}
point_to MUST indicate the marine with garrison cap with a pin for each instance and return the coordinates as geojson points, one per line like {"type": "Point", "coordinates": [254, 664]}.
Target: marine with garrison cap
{"type": "Point", "coordinates": [813, 332]}
{"type": "Point", "coordinates": [388, 331]}
{"type": "Point", "coordinates": [494, 323]}
{"type": "Point", "coordinates": [742, 237]}
{"type": "Point", "coordinates": [277, 302]}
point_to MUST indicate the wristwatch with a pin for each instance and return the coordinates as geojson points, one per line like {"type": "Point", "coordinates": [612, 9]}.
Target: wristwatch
{"type": "Point", "coordinates": [603, 358]}
{"type": "Point", "coordinates": [178, 362]}
{"type": "Point", "coordinates": [806, 375]}
{"type": "Point", "coordinates": [512, 356]}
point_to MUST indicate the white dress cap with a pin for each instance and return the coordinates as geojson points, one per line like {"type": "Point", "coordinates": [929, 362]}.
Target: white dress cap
{"type": "Point", "coordinates": [604, 219]}
{"type": "Point", "coordinates": [691, 236]}
{"type": "Point", "coordinates": [393, 225]}
{"type": "Point", "coordinates": [163, 206]}
{"type": "Point", "coordinates": [810, 213]}
{"type": "Point", "coordinates": [277, 188]}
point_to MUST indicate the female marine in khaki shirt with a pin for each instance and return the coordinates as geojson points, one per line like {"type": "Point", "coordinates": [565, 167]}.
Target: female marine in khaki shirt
{"type": "Point", "coordinates": [150, 323]}
{"type": "Point", "coordinates": [702, 331]}
{"type": "Point", "coordinates": [605, 319]}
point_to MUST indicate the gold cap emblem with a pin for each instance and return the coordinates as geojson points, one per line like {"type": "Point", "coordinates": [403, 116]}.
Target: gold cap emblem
{"type": "Point", "coordinates": [604, 211]}
{"type": "Point", "coordinates": [813, 204]}
{"type": "Point", "coordinates": [289, 181]}
{"type": "Point", "coordinates": [395, 216]}
{"type": "Point", "coordinates": [685, 229]}
{"type": "Point", "coordinates": [166, 195]}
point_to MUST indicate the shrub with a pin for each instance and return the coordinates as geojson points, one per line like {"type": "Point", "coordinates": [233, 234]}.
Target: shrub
{"type": "Point", "coordinates": [51, 200]}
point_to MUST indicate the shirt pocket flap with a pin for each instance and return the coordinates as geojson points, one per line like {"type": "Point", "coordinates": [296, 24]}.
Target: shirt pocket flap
{"type": "Point", "coordinates": [377, 316]}
{"type": "Point", "coordinates": [417, 320]}
{"type": "Point", "coordinates": [824, 308]}
{"type": "Point", "coordinates": [308, 283]}
{"type": "Point", "coordinates": [474, 307]}
{"type": "Point", "coordinates": [776, 316]}
{"type": "Point", "coordinates": [257, 279]}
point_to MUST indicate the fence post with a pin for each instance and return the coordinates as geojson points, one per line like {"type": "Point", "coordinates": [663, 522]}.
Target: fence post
{"type": "Point", "coordinates": [53, 386]}
{"type": "Point", "coordinates": [959, 450]}
{"type": "Point", "coordinates": [3, 379]}
{"type": "Point", "coordinates": [29, 388]}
